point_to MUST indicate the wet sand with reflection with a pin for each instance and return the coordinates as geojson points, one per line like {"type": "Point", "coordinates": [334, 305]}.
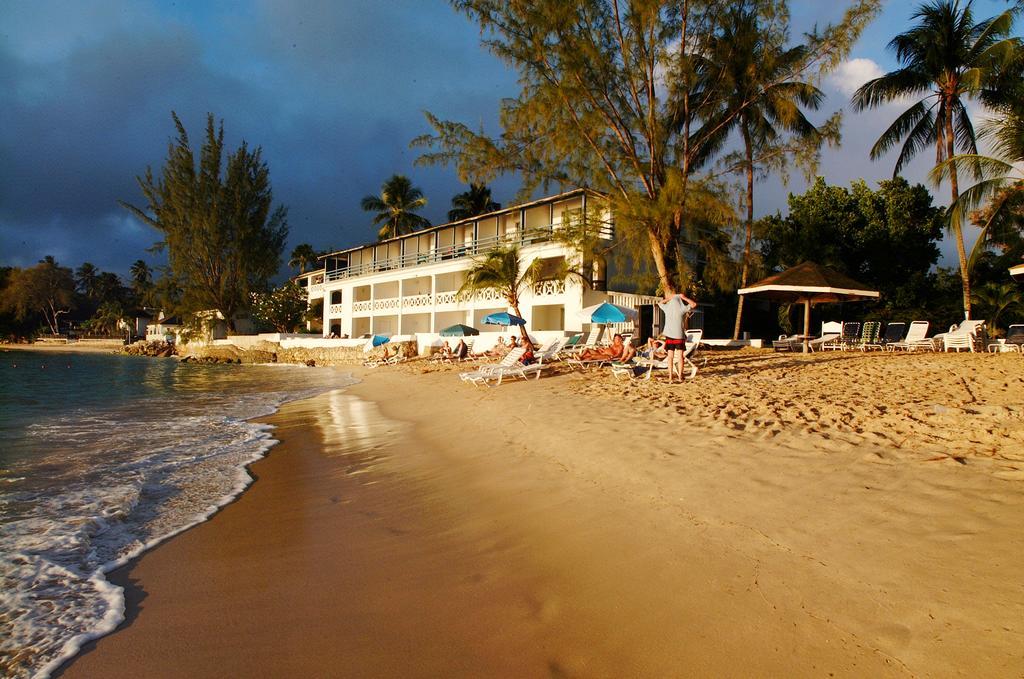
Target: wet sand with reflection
{"type": "Point", "coordinates": [407, 527]}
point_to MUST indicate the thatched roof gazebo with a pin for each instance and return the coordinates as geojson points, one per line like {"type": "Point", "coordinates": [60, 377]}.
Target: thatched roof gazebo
{"type": "Point", "coordinates": [810, 284]}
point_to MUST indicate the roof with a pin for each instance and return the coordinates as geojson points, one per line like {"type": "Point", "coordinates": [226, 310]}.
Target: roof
{"type": "Point", "coordinates": [810, 280]}
{"type": "Point", "coordinates": [520, 206]}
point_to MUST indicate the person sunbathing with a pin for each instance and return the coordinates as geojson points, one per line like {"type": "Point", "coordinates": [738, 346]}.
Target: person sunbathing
{"type": "Point", "coordinates": [654, 349]}
{"type": "Point", "coordinates": [613, 352]}
{"type": "Point", "coordinates": [460, 351]}
{"type": "Point", "coordinates": [498, 350]}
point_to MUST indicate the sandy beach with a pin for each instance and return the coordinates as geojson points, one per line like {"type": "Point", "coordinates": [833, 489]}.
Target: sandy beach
{"type": "Point", "coordinates": [841, 515]}
{"type": "Point", "coordinates": [74, 347]}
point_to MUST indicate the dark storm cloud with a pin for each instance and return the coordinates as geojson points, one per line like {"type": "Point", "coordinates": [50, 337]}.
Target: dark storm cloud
{"type": "Point", "coordinates": [333, 92]}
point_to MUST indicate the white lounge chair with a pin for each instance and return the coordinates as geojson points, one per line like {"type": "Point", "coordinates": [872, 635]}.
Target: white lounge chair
{"type": "Point", "coordinates": [917, 338]}
{"type": "Point", "coordinates": [515, 369]}
{"type": "Point", "coordinates": [787, 343]}
{"type": "Point", "coordinates": [961, 336]}
{"type": "Point", "coordinates": [1012, 342]}
{"type": "Point", "coordinates": [830, 332]}
{"type": "Point", "coordinates": [590, 341]}
{"type": "Point", "coordinates": [509, 359]}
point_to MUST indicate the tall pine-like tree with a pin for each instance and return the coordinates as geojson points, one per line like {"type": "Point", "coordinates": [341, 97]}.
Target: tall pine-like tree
{"type": "Point", "coordinates": [223, 237]}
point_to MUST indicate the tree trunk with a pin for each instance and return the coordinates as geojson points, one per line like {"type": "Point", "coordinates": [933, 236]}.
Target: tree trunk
{"type": "Point", "coordinates": [665, 261]}
{"type": "Point", "coordinates": [522, 328]}
{"type": "Point", "coordinates": [750, 227]}
{"type": "Point", "coordinates": [961, 253]}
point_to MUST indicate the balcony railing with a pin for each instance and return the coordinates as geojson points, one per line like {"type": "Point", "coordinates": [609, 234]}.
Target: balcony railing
{"type": "Point", "coordinates": [424, 302]}
{"type": "Point", "coordinates": [458, 251]}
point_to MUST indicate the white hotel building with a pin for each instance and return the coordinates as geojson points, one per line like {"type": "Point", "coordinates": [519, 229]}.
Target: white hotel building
{"type": "Point", "coordinates": [408, 285]}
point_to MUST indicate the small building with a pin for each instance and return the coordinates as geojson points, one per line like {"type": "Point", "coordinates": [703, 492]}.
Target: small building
{"type": "Point", "coordinates": [408, 285]}
{"type": "Point", "coordinates": [163, 329]}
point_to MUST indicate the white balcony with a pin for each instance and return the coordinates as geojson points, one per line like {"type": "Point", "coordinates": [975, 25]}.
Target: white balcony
{"type": "Point", "coordinates": [453, 252]}
{"type": "Point", "coordinates": [335, 310]}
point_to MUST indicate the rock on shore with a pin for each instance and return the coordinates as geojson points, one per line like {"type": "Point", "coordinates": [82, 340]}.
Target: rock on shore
{"type": "Point", "coordinates": [262, 352]}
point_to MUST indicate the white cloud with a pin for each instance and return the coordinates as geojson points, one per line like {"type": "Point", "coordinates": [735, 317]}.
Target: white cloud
{"type": "Point", "coordinates": [853, 73]}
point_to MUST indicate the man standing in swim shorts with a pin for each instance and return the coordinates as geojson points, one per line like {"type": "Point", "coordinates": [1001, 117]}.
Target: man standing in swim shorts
{"type": "Point", "coordinates": [676, 307]}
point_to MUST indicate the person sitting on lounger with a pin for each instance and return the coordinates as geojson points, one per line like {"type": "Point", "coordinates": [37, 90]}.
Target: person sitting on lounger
{"type": "Point", "coordinates": [609, 353]}
{"type": "Point", "coordinates": [628, 353]}
{"type": "Point", "coordinates": [655, 349]}
{"type": "Point", "coordinates": [460, 351]}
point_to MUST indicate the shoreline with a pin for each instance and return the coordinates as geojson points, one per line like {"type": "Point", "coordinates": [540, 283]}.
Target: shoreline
{"type": "Point", "coordinates": [628, 550]}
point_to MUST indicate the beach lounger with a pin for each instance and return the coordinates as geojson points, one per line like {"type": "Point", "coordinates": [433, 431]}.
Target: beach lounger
{"type": "Point", "coordinates": [590, 340]}
{"type": "Point", "coordinates": [481, 373]}
{"type": "Point", "coordinates": [869, 334]}
{"type": "Point", "coordinates": [917, 338]}
{"type": "Point", "coordinates": [1012, 342]}
{"type": "Point", "coordinates": [893, 333]}
{"type": "Point", "coordinates": [831, 331]}
{"type": "Point", "coordinates": [849, 338]}
{"type": "Point", "coordinates": [498, 373]}
{"type": "Point", "coordinates": [787, 343]}
{"type": "Point", "coordinates": [963, 336]}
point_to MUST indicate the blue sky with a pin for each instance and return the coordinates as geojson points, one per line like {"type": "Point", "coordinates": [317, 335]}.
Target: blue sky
{"type": "Point", "coordinates": [332, 91]}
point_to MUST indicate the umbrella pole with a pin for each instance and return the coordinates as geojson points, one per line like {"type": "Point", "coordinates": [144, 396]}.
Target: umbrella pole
{"type": "Point", "coordinates": [807, 324]}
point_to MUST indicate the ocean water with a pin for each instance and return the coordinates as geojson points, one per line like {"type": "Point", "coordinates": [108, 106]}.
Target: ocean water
{"type": "Point", "coordinates": [104, 456]}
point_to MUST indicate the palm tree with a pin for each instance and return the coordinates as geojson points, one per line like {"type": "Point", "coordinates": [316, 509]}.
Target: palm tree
{"type": "Point", "coordinates": [302, 256]}
{"type": "Point", "coordinates": [996, 298]}
{"type": "Point", "coordinates": [396, 207]}
{"type": "Point", "coordinates": [945, 57]}
{"type": "Point", "coordinates": [1003, 182]}
{"type": "Point", "coordinates": [472, 203]}
{"type": "Point", "coordinates": [88, 277]}
{"type": "Point", "coordinates": [142, 275]}
{"type": "Point", "coordinates": [502, 270]}
{"type": "Point", "coordinates": [750, 69]}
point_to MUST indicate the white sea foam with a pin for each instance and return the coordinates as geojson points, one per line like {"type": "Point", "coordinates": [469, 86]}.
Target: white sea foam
{"type": "Point", "coordinates": [110, 485]}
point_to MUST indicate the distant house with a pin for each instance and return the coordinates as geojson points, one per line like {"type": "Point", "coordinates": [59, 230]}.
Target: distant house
{"type": "Point", "coordinates": [164, 329]}
{"type": "Point", "coordinates": [136, 326]}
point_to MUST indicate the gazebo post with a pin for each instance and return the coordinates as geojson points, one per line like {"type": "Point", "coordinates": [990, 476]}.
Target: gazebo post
{"type": "Point", "coordinates": [807, 323]}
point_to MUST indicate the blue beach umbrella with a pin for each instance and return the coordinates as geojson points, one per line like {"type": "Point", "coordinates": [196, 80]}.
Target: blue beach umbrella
{"type": "Point", "coordinates": [503, 318]}
{"type": "Point", "coordinates": [375, 342]}
{"type": "Point", "coordinates": [459, 330]}
{"type": "Point", "coordinates": [608, 313]}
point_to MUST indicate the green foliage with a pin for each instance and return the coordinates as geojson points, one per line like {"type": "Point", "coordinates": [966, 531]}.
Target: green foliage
{"type": "Point", "coordinates": [476, 201]}
{"type": "Point", "coordinates": [614, 96]}
{"type": "Point", "coordinates": [302, 256]}
{"type": "Point", "coordinates": [886, 239]}
{"type": "Point", "coordinates": [39, 294]}
{"type": "Point", "coordinates": [107, 318]}
{"type": "Point", "coordinates": [283, 309]}
{"type": "Point", "coordinates": [995, 299]}
{"type": "Point", "coordinates": [224, 241]}
{"type": "Point", "coordinates": [142, 280]}
{"type": "Point", "coordinates": [396, 208]}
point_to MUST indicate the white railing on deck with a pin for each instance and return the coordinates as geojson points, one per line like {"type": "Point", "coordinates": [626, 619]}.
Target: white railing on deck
{"type": "Point", "coordinates": [457, 251]}
{"type": "Point", "coordinates": [335, 309]}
